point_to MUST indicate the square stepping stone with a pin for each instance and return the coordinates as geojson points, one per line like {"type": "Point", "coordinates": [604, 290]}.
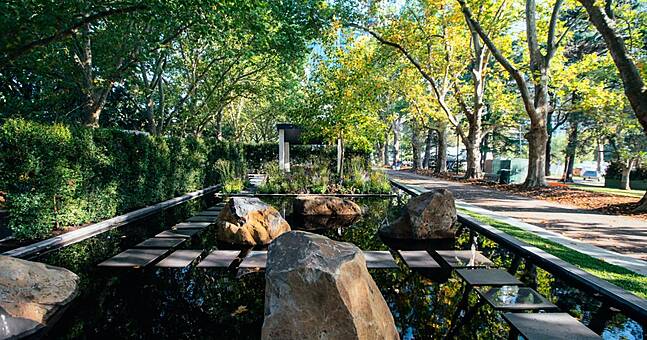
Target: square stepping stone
{"type": "Point", "coordinates": [181, 233]}
{"type": "Point", "coordinates": [211, 219]}
{"type": "Point", "coordinates": [549, 326]}
{"type": "Point", "coordinates": [217, 207]}
{"type": "Point", "coordinates": [165, 242]}
{"type": "Point", "coordinates": [134, 258]}
{"type": "Point", "coordinates": [514, 298]}
{"type": "Point", "coordinates": [418, 259]}
{"type": "Point", "coordinates": [209, 213]}
{"type": "Point", "coordinates": [179, 258]}
{"type": "Point", "coordinates": [379, 260]}
{"type": "Point", "coordinates": [488, 277]}
{"type": "Point", "coordinates": [254, 259]}
{"type": "Point", "coordinates": [219, 259]}
{"type": "Point", "coordinates": [464, 258]}
{"type": "Point", "coordinates": [191, 225]}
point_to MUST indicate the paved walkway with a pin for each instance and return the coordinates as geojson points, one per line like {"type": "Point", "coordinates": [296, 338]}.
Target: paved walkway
{"type": "Point", "coordinates": [624, 235]}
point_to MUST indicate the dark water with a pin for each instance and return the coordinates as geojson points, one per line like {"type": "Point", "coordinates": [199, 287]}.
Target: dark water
{"type": "Point", "coordinates": [220, 304]}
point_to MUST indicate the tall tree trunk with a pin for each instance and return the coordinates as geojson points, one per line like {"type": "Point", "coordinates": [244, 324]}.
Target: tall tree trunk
{"type": "Point", "coordinates": [219, 125]}
{"type": "Point", "coordinates": [566, 165]}
{"type": "Point", "coordinates": [538, 136]}
{"type": "Point", "coordinates": [599, 156]}
{"type": "Point", "coordinates": [428, 145]}
{"type": "Point", "coordinates": [385, 152]}
{"type": "Point", "coordinates": [627, 166]}
{"type": "Point", "coordinates": [549, 131]}
{"type": "Point", "coordinates": [642, 204]}
{"type": "Point", "coordinates": [397, 129]}
{"type": "Point", "coordinates": [415, 145]}
{"type": "Point", "coordinates": [441, 160]}
{"type": "Point", "coordinates": [150, 116]}
{"type": "Point", "coordinates": [472, 145]}
{"type": "Point", "coordinates": [539, 67]}
{"type": "Point", "coordinates": [571, 151]}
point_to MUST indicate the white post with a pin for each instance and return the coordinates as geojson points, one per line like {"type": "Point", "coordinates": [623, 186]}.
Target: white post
{"type": "Point", "coordinates": [286, 152]}
{"type": "Point", "coordinates": [281, 149]}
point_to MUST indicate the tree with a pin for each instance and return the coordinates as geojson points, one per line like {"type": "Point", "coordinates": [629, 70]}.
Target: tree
{"type": "Point", "coordinates": [342, 95]}
{"type": "Point", "coordinates": [537, 105]}
{"type": "Point", "coordinates": [634, 86]}
{"type": "Point", "coordinates": [67, 64]}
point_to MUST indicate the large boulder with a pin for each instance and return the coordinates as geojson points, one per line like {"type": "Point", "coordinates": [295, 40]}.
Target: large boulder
{"type": "Point", "coordinates": [324, 222]}
{"type": "Point", "coordinates": [317, 288]}
{"type": "Point", "coordinates": [431, 215]}
{"type": "Point", "coordinates": [325, 205]}
{"type": "Point", "coordinates": [249, 221]}
{"type": "Point", "coordinates": [31, 295]}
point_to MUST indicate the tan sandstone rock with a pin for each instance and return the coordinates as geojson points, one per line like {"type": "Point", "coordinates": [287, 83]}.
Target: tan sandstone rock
{"type": "Point", "coordinates": [325, 205]}
{"type": "Point", "coordinates": [317, 288]}
{"type": "Point", "coordinates": [249, 221]}
{"type": "Point", "coordinates": [31, 293]}
{"type": "Point", "coordinates": [431, 215]}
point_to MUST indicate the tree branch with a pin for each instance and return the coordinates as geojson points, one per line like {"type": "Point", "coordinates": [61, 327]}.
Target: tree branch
{"type": "Point", "coordinates": [415, 63]}
{"type": "Point", "coordinates": [516, 75]}
{"type": "Point", "coordinates": [17, 52]}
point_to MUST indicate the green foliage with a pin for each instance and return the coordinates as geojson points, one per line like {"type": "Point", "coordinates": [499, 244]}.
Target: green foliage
{"type": "Point", "coordinates": [230, 175]}
{"type": "Point", "coordinates": [614, 171]}
{"type": "Point", "coordinates": [316, 177]}
{"type": "Point", "coordinates": [57, 176]}
{"type": "Point", "coordinates": [259, 155]}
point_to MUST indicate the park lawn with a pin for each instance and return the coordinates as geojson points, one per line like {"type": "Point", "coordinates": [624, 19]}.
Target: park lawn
{"type": "Point", "coordinates": [611, 191]}
{"type": "Point", "coordinates": [617, 275]}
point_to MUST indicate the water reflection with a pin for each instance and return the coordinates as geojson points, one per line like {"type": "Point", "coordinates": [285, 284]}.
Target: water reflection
{"type": "Point", "coordinates": [218, 303]}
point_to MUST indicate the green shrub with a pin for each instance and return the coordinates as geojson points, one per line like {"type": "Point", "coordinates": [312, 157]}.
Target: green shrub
{"type": "Point", "coordinates": [57, 176]}
{"type": "Point", "coordinates": [233, 185]}
{"type": "Point", "coordinates": [316, 177]}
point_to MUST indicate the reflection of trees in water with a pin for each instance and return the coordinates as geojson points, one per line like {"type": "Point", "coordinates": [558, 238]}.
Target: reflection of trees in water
{"type": "Point", "coordinates": [212, 303]}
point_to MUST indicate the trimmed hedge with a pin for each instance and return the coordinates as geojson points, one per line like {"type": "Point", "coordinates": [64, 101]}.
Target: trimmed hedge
{"type": "Point", "coordinates": [57, 176]}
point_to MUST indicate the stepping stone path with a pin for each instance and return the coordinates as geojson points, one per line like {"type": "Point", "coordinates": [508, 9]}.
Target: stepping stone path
{"type": "Point", "coordinates": [379, 260]}
{"type": "Point", "coordinates": [183, 233]}
{"type": "Point", "coordinates": [134, 258]}
{"type": "Point", "coordinates": [549, 326]}
{"type": "Point", "coordinates": [198, 218]}
{"type": "Point", "coordinates": [191, 225]}
{"type": "Point", "coordinates": [418, 259]}
{"type": "Point", "coordinates": [162, 243]}
{"type": "Point", "coordinates": [209, 213]}
{"type": "Point", "coordinates": [464, 258]}
{"type": "Point", "coordinates": [514, 298]}
{"type": "Point", "coordinates": [488, 277]}
{"type": "Point", "coordinates": [179, 258]}
{"type": "Point", "coordinates": [219, 259]}
{"type": "Point", "coordinates": [255, 259]}
{"type": "Point", "coordinates": [152, 249]}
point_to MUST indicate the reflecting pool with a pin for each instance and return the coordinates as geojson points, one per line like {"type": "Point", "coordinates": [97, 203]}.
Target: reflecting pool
{"type": "Point", "coordinates": [225, 304]}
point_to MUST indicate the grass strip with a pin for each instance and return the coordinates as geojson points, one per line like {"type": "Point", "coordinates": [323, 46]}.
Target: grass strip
{"type": "Point", "coordinates": [611, 191]}
{"type": "Point", "coordinates": [617, 275]}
